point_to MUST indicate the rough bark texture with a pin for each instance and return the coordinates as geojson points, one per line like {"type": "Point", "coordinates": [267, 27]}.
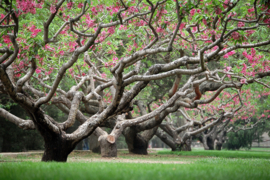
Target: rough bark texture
{"type": "Point", "coordinates": [136, 143]}
{"type": "Point", "coordinates": [108, 149]}
{"type": "Point", "coordinates": [166, 139]}
{"type": "Point", "coordinates": [56, 149]}
{"type": "Point", "coordinates": [209, 144]}
{"type": "Point", "coordinates": [187, 145]}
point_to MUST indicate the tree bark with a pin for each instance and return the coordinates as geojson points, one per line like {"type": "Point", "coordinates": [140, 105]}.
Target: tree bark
{"type": "Point", "coordinates": [166, 139]}
{"type": "Point", "coordinates": [107, 146]}
{"type": "Point", "coordinates": [56, 149]}
{"type": "Point", "coordinates": [187, 145]}
{"type": "Point", "coordinates": [218, 146]}
{"type": "Point", "coordinates": [136, 143]}
{"type": "Point", "coordinates": [210, 143]}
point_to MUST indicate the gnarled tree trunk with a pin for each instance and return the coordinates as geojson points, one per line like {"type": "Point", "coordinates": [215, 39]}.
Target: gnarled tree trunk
{"type": "Point", "coordinates": [136, 143]}
{"type": "Point", "coordinates": [56, 149]}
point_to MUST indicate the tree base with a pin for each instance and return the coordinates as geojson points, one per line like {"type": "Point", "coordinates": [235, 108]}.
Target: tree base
{"type": "Point", "coordinates": [141, 151]}
{"type": "Point", "coordinates": [107, 146]}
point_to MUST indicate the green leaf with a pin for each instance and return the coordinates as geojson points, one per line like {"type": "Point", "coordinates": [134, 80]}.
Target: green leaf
{"type": "Point", "coordinates": [89, 2]}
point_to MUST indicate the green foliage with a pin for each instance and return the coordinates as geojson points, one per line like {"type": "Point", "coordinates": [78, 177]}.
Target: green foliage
{"type": "Point", "coordinates": [243, 139]}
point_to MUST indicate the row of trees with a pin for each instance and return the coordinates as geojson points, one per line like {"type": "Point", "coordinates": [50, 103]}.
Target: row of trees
{"type": "Point", "coordinates": [130, 65]}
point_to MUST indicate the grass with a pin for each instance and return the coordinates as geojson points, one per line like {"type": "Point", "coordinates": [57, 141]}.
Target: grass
{"type": "Point", "coordinates": [211, 168]}
{"type": "Point", "coordinates": [198, 165]}
{"type": "Point", "coordinates": [223, 154]}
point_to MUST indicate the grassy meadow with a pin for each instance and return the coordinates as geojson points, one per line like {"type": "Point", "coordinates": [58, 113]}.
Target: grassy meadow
{"type": "Point", "coordinates": [222, 154]}
{"type": "Point", "coordinates": [164, 165]}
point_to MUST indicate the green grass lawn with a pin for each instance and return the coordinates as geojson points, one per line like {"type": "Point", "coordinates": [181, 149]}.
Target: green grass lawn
{"type": "Point", "coordinates": [202, 165]}
{"type": "Point", "coordinates": [223, 153]}
{"type": "Point", "coordinates": [211, 168]}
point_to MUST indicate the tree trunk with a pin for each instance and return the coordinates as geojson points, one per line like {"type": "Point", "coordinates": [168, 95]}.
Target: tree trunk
{"type": "Point", "coordinates": [137, 145]}
{"type": "Point", "coordinates": [108, 146]}
{"type": "Point", "coordinates": [210, 143]}
{"type": "Point", "coordinates": [187, 145]}
{"type": "Point", "coordinates": [56, 149]}
{"type": "Point", "coordinates": [218, 146]}
{"type": "Point", "coordinates": [166, 139]}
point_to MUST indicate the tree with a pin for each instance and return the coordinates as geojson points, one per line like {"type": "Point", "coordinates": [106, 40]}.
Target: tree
{"type": "Point", "coordinates": [108, 53]}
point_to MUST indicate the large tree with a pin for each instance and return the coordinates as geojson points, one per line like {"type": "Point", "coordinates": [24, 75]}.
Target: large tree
{"type": "Point", "coordinates": [93, 59]}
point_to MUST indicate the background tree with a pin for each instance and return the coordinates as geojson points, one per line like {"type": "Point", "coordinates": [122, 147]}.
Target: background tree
{"type": "Point", "coordinates": [98, 48]}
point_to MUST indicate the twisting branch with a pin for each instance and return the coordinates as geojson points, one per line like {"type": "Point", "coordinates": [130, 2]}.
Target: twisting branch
{"type": "Point", "coordinates": [24, 124]}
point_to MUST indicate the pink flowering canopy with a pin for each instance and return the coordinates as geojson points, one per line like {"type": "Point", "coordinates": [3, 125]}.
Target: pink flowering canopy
{"type": "Point", "coordinates": [165, 53]}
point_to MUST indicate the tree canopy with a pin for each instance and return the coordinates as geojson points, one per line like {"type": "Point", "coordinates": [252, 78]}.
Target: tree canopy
{"type": "Point", "coordinates": [129, 65]}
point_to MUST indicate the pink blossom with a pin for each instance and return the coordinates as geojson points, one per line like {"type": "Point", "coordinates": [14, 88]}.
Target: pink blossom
{"type": "Point", "coordinates": [111, 30]}
{"type": "Point", "coordinates": [249, 32]}
{"type": "Point", "coordinates": [6, 39]}
{"type": "Point", "coordinates": [36, 31]}
{"type": "Point", "coordinates": [250, 10]}
{"type": "Point", "coordinates": [132, 9]}
{"type": "Point", "coordinates": [235, 35]}
{"type": "Point", "coordinates": [115, 9]}
{"type": "Point", "coordinates": [94, 11]}
{"type": "Point", "coordinates": [18, 75]}
{"type": "Point", "coordinates": [69, 5]}
{"type": "Point", "coordinates": [90, 22]}
{"type": "Point", "coordinates": [32, 28]}
{"type": "Point", "coordinates": [250, 58]}
{"type": "Point", "coordinates": [243, 81]}
{"type": "Point", "coordinates": [244, 68]}
{"type": "Point", "coordinates": [253, 52]}
{"type": "Point", "coordinates": [103, 75]}
{"type": "Point", "coordinates": [26, 6]}
{"type": "Point", "coordinates": [115, 58]}
{"type": "Point", "coordinates": [182, 25]}
{"type": "Point", "coordinates": [226, 2]}
{"type": "Point", "coordinates": [159, 29]}
{"type": "Point", "coordinates": [71, 70]}
{"type": "Point", "coordinates": [226, 56]}
{"type": "Point", "coordinates": [228, 68]}
{"type": "Point", "coordinates": [218, 10]}
{"type": "Point", "coordinates": [53, 9]}
{"type": "Point", "coordinates": [204, 22]}
{"type": "Point", "coordinates": [245, 53]}
{"type": "Point", "coordinates": [38, 71]}
{"type": "Point", "coordinates": [80, 5]}
{"type": "Point", "coordinates": [241, 24]}
{"type": "Point", "coordinates": [192, 12]}
{"type": "Point", "coordinates": [61, 53]}
{"type": "Point", "coordinates": [231, 53]}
